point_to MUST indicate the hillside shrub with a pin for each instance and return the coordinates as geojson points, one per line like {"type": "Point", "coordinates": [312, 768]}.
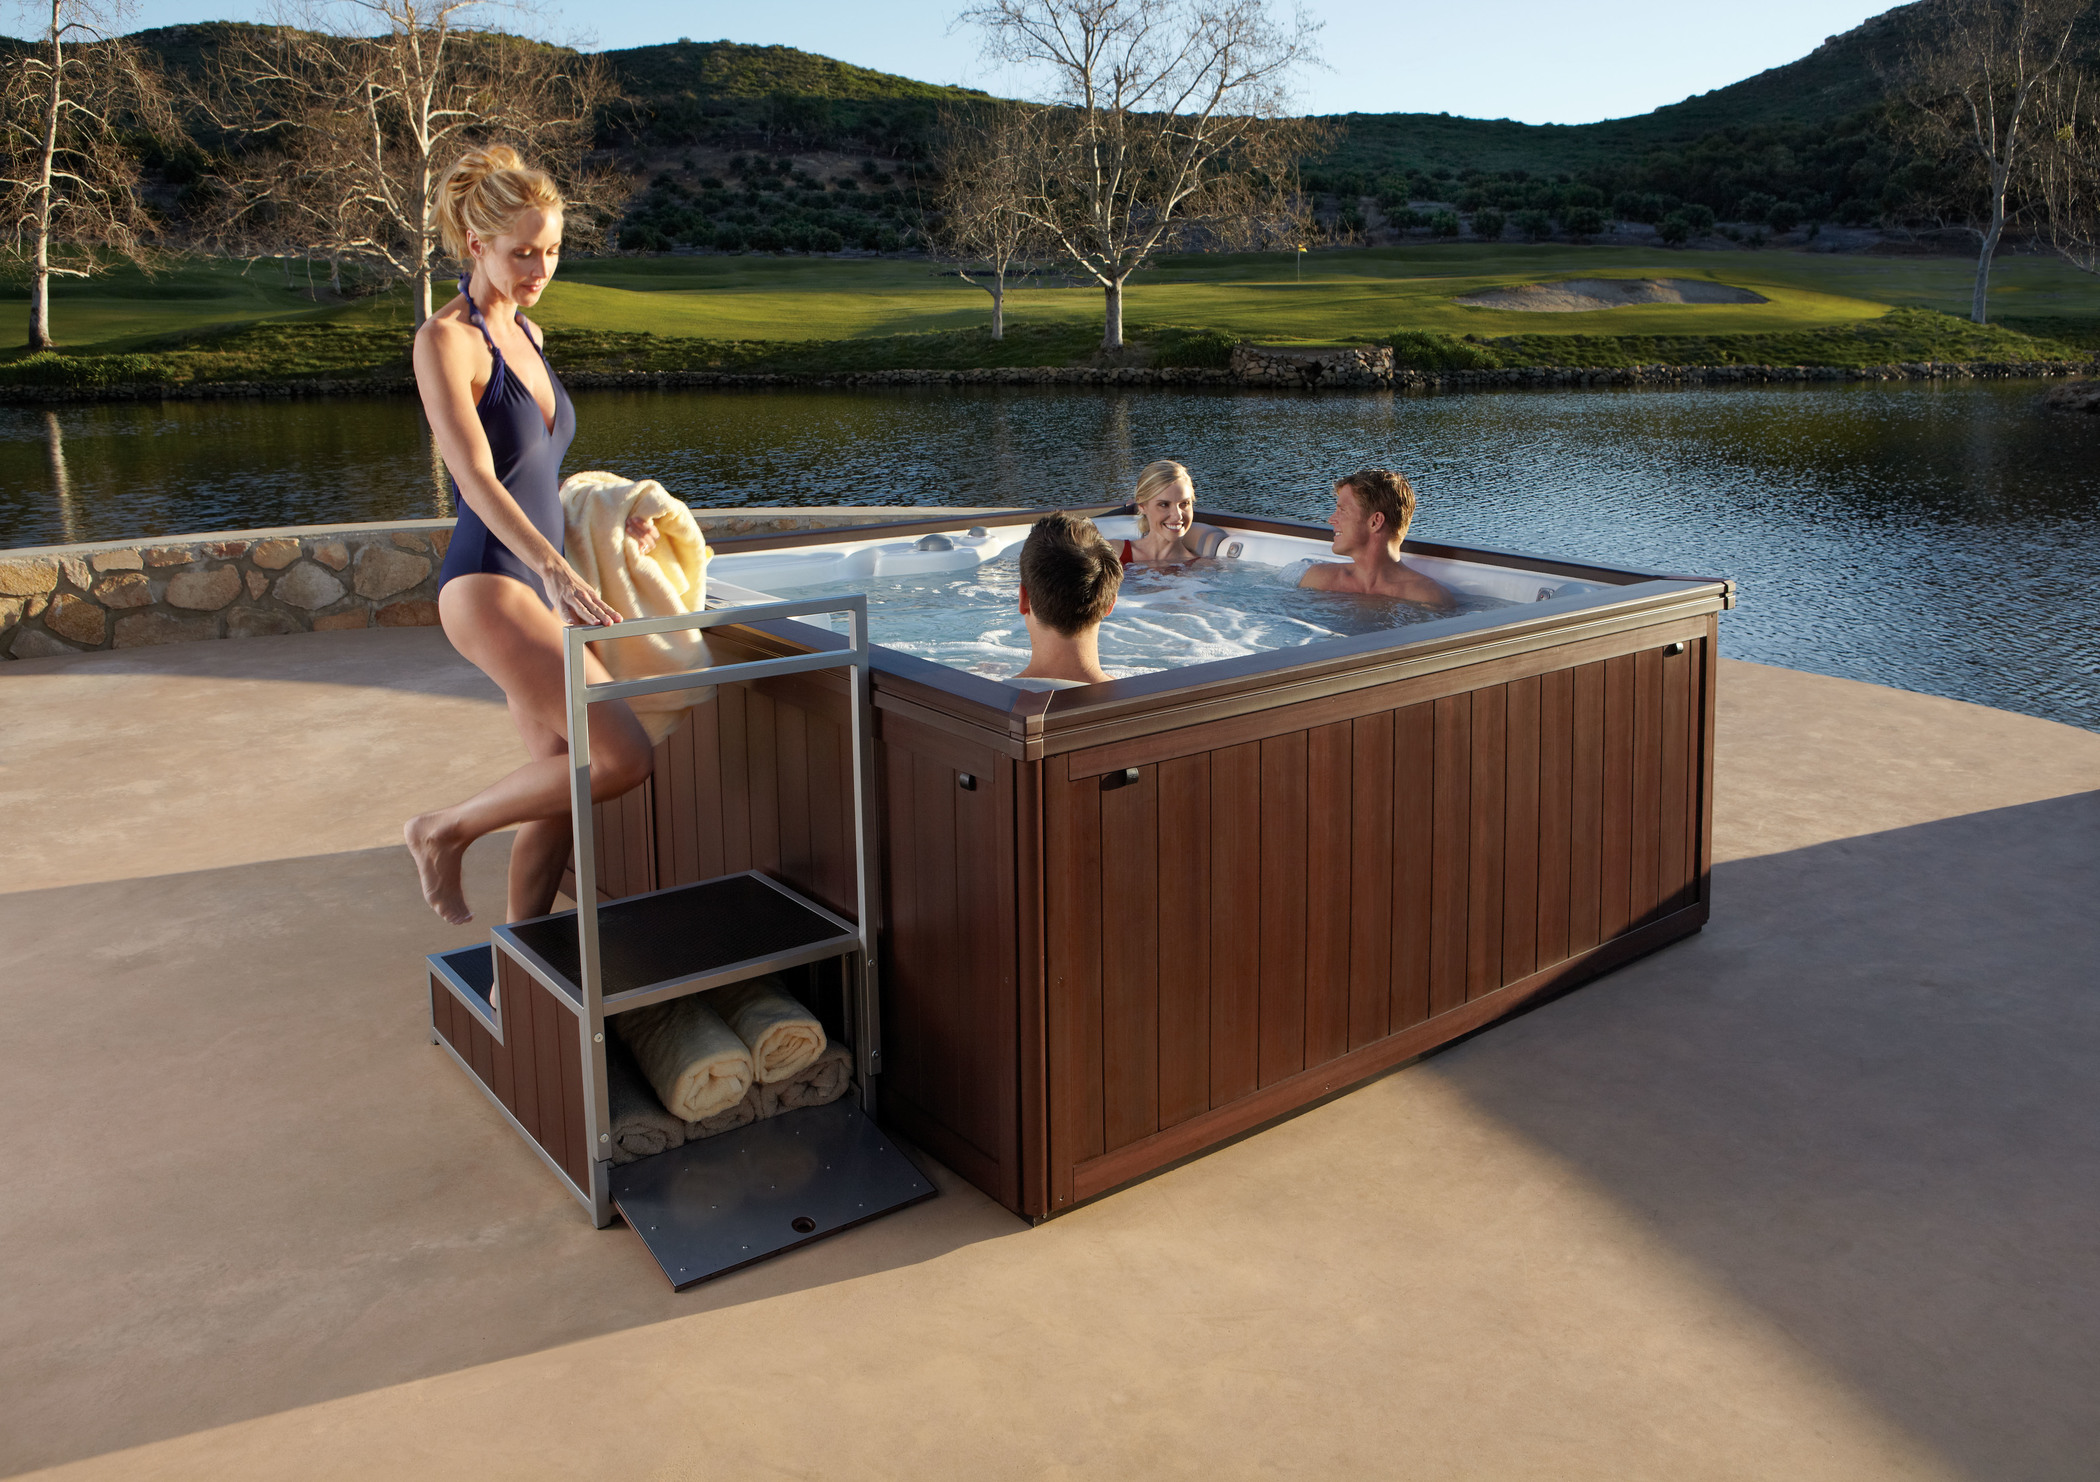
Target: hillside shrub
{"type": "Point", "coordinates": [1700, 218]}
{"type": "Point", "coordinates": [1444, 224]}
{"type": "Point", "coordinates": [1784, 216]}
{"type": "Point", "coordinates": [50, 368]}
{"type": "Point", "coordinates": [1404, 220]}
{"type": "Point", "coordinates": [1674, 230]}
{"type": "Point", "coordinates": [1584, 221]}
{"type": "Point", "coordinates": [729, 238]}
{"type": "Point", "coordinates": [1532, 225]}
{"type": "Point", "coordinates": [1421, 349]}
{"type": "Point", "coordinates": [1210, 348]}
{"type": "Point", "coordinates": [1488, 224]}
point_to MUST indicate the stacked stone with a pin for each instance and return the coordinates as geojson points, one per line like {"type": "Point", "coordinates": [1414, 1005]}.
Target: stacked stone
{"type": "Point", "coordinates": [1353, 366]}
{"type": "Point", "coordinates": [69, 599]}
{"type": "Point", "coordinates": [128, 596]}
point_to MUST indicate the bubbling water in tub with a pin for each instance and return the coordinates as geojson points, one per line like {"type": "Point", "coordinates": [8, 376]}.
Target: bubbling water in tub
{"type": "Point", "coordinates": [1165, 617]}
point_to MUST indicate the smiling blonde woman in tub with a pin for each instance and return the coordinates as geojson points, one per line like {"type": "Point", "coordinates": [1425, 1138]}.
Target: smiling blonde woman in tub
{"type": "Point", "coordinates": [1069, 580]}
{"type": "Point", "coordinates": [1372, 509]}
{"type": "Point", "coordinates": [503, 422]}
{"type": "Point", "coordinates": [1166, 516]}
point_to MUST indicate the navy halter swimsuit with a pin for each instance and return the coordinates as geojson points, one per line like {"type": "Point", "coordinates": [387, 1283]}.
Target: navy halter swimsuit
{"type": "Point", "coordinates": [528, 464]}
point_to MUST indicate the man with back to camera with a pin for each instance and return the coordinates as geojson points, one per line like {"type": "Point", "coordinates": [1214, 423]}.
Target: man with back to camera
{"type": "Point", "coordinates": [1372, 509]}
{"type": "Point", "coordinates": [1069, 580]}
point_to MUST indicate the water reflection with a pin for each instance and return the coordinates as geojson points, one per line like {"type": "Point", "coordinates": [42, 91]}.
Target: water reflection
{"type": "Point", "coordinates": [61, 480]}
{"type": "Point", "coordinates": [1941, 537]}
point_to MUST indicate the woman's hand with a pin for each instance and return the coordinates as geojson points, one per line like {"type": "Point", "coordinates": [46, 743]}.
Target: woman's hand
{"type": "Point", "coordinates": [642, 531]}
{"type": "Point", "coordinates": [575, 603]}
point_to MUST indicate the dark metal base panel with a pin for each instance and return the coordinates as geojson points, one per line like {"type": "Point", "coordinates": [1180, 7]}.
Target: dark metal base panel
{"type": "Point", "coordinates": [475, 967]}
{"type": "Point", "coordinates": [721, 1203]}
{"type": "Point", "coordinates": [682, 932]}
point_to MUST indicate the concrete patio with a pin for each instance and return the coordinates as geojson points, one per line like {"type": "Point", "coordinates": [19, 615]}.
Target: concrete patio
{"type": "Point", "coordinates": [1811, 1195]}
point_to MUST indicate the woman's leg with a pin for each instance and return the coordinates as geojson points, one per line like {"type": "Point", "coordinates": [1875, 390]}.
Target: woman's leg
{"type": "Point", "coordinates": [539, 850]}
{"type": "Point", "coordinates": [504, 629]}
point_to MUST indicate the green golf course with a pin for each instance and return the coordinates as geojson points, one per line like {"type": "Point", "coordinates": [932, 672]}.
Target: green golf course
{"type": "Point", "coordinates": [202, 319]}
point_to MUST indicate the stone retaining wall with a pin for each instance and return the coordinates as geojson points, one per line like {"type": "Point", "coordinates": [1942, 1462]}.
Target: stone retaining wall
{"type": "Point", "coordinates": [257, 583]}
{"type": "Point", "coordinates": [1360, 368]}
{"type": "Point", "coordinates": [1341, 366]}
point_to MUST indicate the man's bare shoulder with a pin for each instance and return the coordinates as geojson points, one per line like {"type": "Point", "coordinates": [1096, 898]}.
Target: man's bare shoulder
{"type": "Point", "coordinates": [1325, 576]}
{"type": "Point", "coordinates": [1411, 585]}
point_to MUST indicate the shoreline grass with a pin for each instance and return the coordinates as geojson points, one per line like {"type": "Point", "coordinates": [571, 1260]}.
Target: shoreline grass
{"type": "Point", "coordinates": [203, 322]}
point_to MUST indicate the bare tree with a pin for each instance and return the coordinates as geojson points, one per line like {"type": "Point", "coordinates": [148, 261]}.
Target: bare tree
{"type": "Point", "coordinates": [348, 135]}
{"type": "Point", "coordinates": [1169, 128]}
{"type": "Point", "coordinates": [1966, 87]}
{"type": "Point", "coordinates": [987, 162]}
{"type": "Point", "coordinates": [2064, 168]}
{"type": "Point", "coordinates": [70, 106]}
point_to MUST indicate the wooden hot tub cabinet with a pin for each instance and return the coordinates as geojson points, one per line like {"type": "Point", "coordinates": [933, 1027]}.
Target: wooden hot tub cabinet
{"type": "Point", "coordinates": [1125, 923]}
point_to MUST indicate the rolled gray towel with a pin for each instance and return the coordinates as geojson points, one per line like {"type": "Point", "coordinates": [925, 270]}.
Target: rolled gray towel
{"type": "Point", "coordinates": [743, 1114]}
{"type": "Point", "coordinates": [641, 1128]}
{"type": "Point", "coordinates": [823, 1080]}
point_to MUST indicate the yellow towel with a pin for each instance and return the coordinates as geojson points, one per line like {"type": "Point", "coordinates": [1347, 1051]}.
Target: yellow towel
{"type": "Point", "coordinates": [696, 1064]}
{"type": "Point", "coordinates": [783, 1035]}
{"type": "Point", "coordinates": [671, 579]}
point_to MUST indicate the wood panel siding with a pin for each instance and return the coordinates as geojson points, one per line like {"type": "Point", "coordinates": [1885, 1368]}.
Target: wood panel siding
{"type": "Point", "coordinates": [536, 1071]}
{"type": "Point", "coordinates": [1228, 922]}
{"type": "Point", "coordinates": [1280, 805]}
{"type": "Point", "coordinates": [1414, 860]}
{"type": "Point", "coordinates": [761, 778]}
{"type": "Point", "coordinates": [1185, 946]}
{"type": "Point", "coordinates": [949, 965]}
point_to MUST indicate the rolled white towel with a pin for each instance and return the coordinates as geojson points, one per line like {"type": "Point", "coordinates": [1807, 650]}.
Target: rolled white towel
{"type": "Point", "coordinates": [641, 1128]}
{"type": "Point", "coordinates": [743, 1114]}
{"type": "Point", "coordinates": [824, 1080]}
{"type": "Point", "coordinates": [694, 1060]}
{"type": "Point", "coordinates": [783, 1035]}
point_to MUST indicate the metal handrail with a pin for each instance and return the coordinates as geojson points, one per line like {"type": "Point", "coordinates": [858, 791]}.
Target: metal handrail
{"type": "Point", "coordinates": [863, 1005]}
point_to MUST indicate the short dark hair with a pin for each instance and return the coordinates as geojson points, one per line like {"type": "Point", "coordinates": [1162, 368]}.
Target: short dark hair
{"type": "Point", "coordinates": [1071, 572]}
{"type": "Point", "coordinates": [1382, 492]}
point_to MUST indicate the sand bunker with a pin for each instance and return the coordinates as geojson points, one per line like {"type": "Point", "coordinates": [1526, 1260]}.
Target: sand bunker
{"type": "Point", "coordinates": [1582, 295]}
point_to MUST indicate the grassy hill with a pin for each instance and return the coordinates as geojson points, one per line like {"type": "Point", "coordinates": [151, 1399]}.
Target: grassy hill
{"type": "Point", "coordinates": [699, 92]}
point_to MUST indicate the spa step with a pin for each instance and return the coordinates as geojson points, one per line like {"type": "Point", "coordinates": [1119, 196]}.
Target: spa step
{"type": "Point", "coordinates": [469, 975]}
{"type": "Point", "coordinates": [721, 1203]}
{"type": "Point", "coordinates": [682, 939]}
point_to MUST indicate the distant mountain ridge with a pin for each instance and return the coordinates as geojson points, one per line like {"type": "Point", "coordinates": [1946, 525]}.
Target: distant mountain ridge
{"type": "Point", "coordinates": [1836, 80]}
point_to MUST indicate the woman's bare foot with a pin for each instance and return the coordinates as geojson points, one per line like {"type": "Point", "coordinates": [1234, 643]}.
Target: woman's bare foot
{"type": "Point", "coordinates": [437, 858]}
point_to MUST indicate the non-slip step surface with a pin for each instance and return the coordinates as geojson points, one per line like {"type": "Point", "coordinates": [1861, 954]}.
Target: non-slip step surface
{"type": "Point", "coordinates": [474, 967]}
{"type": "Point", "coordinates": [684, 932]}
{"type": "Point", "coordinates": [715, 1205]}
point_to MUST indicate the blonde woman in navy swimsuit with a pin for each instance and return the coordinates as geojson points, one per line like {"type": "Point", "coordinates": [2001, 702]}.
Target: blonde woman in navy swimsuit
{"type": "Point", "coordinates": [503, 422]}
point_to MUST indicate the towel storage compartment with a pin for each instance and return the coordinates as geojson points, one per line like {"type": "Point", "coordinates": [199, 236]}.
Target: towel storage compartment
{"type": "Point", "coordinates": [527, 1017]}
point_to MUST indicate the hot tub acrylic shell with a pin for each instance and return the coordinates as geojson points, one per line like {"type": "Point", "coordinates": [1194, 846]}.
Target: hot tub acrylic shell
{"type": "Point", "coordinates": [1125, 923]}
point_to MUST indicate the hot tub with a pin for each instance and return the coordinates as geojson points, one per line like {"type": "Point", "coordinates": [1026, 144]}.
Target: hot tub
{"type": "Point", "coordinates": [1123, 923]}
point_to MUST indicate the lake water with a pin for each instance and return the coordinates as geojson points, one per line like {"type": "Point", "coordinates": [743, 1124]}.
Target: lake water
{"type": "Point", "coordinates": [1937, 537]}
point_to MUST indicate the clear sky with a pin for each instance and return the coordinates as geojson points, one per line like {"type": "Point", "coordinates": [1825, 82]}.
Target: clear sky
{"type": "Point", "coordinates": [1539, 61]}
